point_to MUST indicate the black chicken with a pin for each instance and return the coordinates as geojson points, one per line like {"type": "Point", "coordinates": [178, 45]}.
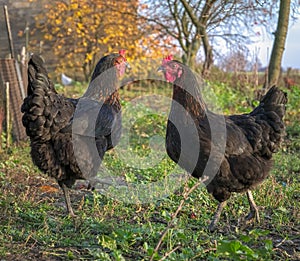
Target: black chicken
{"type": "Point", "coordinates": [249, 140]}
{"type": "Point", "coordinates": [61, 130]}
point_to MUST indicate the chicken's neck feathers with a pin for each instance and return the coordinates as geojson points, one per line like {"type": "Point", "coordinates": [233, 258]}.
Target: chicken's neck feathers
{"type": "Point", "coordinates": [186, 92]}
{"type": "Point", "coordinates": [104, 88]}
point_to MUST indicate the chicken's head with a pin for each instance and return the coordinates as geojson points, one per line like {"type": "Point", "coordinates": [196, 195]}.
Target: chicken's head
{"type": "Point", "coordinates": [121, 63]}
{"type": "Point", "coordinates": [172, 69]}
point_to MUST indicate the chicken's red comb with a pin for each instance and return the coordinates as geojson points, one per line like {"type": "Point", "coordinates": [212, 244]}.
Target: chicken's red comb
{"type": "Point", "coordinates": [167, 59]}
{"type": "Point", "coordinates": [122, 52]}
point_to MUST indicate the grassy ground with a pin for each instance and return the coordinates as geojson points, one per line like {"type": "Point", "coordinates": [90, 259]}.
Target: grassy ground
{"type": "Point", "coordinates": [34, 224]}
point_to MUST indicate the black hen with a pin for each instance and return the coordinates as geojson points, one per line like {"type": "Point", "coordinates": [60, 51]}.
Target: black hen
{"type": "Point", "coordinates": [233, 151]}
{"type": "Point", "coordinates": [65, 142]}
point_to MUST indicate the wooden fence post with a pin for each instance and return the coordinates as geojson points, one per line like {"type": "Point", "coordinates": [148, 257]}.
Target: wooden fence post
{"type": "Point", "coordinates": [10, 39]}
{"type": "Point", "coordinates": [1, 122]}
{"type": "Point", "coordinates": [7, 114]}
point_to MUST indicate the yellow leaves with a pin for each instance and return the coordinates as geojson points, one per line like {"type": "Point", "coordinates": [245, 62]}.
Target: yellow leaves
{"type": "Point", "coordinates": [79, 33]}
{"type": "Point", "coordinates": [89, 57]}
{"type": "Point", "coordinates": [74, 6]}
{"type": "Point", "coordinates": [82, 31]}
{"type": "Point", "coordinates": [58, 21]}
{"type": "Point", "coordinates": [109, 49]}
{"type": "Point", "coordinates": [69, 31]}
{"type": "Point", "coordinates": [79, 26]}
{"type": "Point", "coordinates": [48, 37]}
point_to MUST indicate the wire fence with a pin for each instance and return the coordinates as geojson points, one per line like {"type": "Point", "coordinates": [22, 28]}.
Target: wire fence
{"type": "Point", "coordinates": [11, 73]}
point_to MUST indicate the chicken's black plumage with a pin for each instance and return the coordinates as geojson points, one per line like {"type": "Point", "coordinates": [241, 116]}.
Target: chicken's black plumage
{"type": "Point", "coordinates": [49, 117]}
{"type": "Point", "coordinates": [249, 139]}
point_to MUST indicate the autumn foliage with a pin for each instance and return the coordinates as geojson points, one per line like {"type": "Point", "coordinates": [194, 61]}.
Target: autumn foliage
{"type": "Point", "coordinates": [80, 32]}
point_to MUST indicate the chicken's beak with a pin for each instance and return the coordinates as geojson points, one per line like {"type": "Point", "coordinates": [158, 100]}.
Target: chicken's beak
{"type": "Point", "coordinates": [161, 69]}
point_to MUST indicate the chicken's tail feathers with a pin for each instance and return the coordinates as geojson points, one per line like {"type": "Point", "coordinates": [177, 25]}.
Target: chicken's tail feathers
{"type": "Point", "coordinates": [275, 96]}
{"type": "Point", "coordinates": [37, 115]}
{"type": "Point", "coordinates": [37, 75]}
{"type": "Point", "coordinates": [274, 100]}
{"type": "Point", "coordinates": [269, 115]}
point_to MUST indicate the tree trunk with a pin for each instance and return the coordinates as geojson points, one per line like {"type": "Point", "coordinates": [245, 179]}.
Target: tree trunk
{"type": "Point", "coordinates": [189, 56]}
{"type": "Point", "coordinates": [208, 54]}
{"type": "Point", "coordinates": [278, 45]}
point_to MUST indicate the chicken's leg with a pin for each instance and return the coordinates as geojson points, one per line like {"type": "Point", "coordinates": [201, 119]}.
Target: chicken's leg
{"type": "Point", "coordinates": [216, 217]}
{"type": "Point", "coordinates": [253, 208]}
{"type": "Point", "coordinates": [67, 199]}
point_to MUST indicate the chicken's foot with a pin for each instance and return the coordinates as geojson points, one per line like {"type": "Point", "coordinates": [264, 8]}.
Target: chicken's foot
{"type": "Point", "coordinates": [216, 217]}
{"type": "Point", "coordinates": [253, 208]}
{"type": "Point", "coordinates": [67, 199]}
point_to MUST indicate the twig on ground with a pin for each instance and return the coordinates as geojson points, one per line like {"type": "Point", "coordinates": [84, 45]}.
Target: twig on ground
{"type": "Point", "coordinates": [169, 253]}
{"type": "Point", "coordinates": [280, 243]}
{"type": "Point", "coordinates": [185, 195]}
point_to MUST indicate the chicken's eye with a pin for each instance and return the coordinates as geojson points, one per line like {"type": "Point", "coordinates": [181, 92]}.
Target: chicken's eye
{"type": "Point", "coordinates": [119, 60]}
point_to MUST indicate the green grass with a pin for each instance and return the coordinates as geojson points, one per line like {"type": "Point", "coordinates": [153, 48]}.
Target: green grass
{"type": "Point", "coordinates": [34, 224]}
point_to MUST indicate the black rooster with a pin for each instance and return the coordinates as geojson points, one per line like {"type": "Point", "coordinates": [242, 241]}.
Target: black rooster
{"type": "Point", "coordinates": [249, 140]}
{"type": "Point", "coordinates": [57, 125]}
